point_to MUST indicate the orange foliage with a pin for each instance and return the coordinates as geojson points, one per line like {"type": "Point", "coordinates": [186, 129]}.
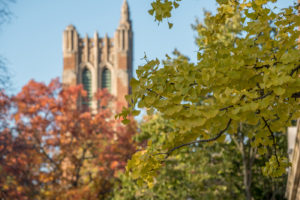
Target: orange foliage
{"type": "Point", "coordinates": [51, 149]}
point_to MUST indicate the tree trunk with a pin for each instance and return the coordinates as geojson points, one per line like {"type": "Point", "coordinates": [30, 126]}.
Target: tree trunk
{"type": "Point", "coordinates": [273, 192]}
{"type": "Point", "coordinates": [248, 156]}
{"type": "Point", "coordinates": [247, 179]}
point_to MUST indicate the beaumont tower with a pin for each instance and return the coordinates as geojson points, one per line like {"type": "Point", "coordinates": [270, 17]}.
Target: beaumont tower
{"type": "Point", "coordinates": [99, 63]}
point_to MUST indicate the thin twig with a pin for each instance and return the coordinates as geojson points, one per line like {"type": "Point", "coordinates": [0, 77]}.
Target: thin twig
{"type": "Point", "coordinates": [263, 96]}
{"type": "Point", "coordinates": [273, 137]}
{"type": "Point", "coordinates": [161, 97]}
{"type": "Point", "coordinates": [226, 108]}
{"type": "Point", "coordinates": [295, 70]}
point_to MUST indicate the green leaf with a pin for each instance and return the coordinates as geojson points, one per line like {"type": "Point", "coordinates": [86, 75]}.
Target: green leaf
{"type": "Point", "coordinates": [134, 83]}
{"type": "Point", "coordinates": [151, 11]}
{"type": "Point", "coordinates": [136, 112]}
{"type": "Point", "coordinates": [176, 5]}
{"type": "Point", "coordinates": [125, 121]}
{"type": "Point", "coordinates": [279, 91]}
{"type": "Point", "coordinates": [211, 113]}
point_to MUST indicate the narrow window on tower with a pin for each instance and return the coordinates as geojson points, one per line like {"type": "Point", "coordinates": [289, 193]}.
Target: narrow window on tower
{"type": "Point", "coordinates": [106, 79]}
{"type": "Point", "coordinates": [86, 81]}
{"type": "Point", "coordinates": [123, 39]}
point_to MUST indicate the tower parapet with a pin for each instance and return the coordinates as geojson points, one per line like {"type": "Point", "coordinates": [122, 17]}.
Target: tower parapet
{"type": "Point", "coordinates": [70, 54]}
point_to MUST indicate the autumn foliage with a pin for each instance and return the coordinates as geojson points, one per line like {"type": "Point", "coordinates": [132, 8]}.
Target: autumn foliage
{"type": "Point", "coordinates": [51, 149]}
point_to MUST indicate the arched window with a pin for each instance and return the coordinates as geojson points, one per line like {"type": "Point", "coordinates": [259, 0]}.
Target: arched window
{"type": "Point", "coordinates": [87, 86]}
{"type": "Point", "coordinates": [106, 79]}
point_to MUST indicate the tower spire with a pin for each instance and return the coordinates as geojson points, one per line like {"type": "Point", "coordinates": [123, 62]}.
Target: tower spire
{"type": "Point", "coordinates": [125, 13]}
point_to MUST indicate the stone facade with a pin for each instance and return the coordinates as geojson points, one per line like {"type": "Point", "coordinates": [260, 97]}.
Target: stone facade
{"type": "Point", "coordinates": [293, 183]}
{"type": "Point", "coordinates": [98, 54]}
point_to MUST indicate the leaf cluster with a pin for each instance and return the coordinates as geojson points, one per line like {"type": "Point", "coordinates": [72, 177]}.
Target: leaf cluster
{"type": "Point", "coordinates": [161, 9]}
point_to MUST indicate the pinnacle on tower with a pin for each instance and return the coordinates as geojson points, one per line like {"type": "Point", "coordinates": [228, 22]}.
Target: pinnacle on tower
{"type": "Point", "coordinates": [125, 13]}
{"type": "Point", "coordinates": [70, 27]}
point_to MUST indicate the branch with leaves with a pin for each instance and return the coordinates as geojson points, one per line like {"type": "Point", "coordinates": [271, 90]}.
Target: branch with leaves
{"type": "Point", "coordinates": [248, 66]}
{"type": "Point", "coordinates": [198, 141]}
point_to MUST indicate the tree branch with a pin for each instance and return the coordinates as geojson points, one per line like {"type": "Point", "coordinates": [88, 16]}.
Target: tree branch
{"type": "Point", "coordinates": [78, 168]}
{"type": "Point", "coordinates": [263, 96]}
{"type": "Point", "coordinates": [197, 141]}
{"type": "Point", "coordinates": [161, 97]}
{"type": "Point", "coordinates": [40, 149]}
{"type": "Point", "coordinates": [294, 70]}
{"type": "Point", "coordinates": [226, 108]}
{"type": "Point", "coordinates": [273, 137]}
{"type": "Point", "coordinates": [296, 95]}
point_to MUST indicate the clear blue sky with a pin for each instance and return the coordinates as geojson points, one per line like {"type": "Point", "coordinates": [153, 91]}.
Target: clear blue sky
{"type": "Point", "coordinates": [32, 41]}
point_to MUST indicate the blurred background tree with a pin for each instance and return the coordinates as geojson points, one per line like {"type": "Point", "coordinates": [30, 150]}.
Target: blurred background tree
{"type": "Point", "coordinates": [5, 16]}
{"type": "Point", "coordinates": [51, 149]}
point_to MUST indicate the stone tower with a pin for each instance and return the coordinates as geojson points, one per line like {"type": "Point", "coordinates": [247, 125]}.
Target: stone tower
{"type": "Point", "coordinates": [99, 63]}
